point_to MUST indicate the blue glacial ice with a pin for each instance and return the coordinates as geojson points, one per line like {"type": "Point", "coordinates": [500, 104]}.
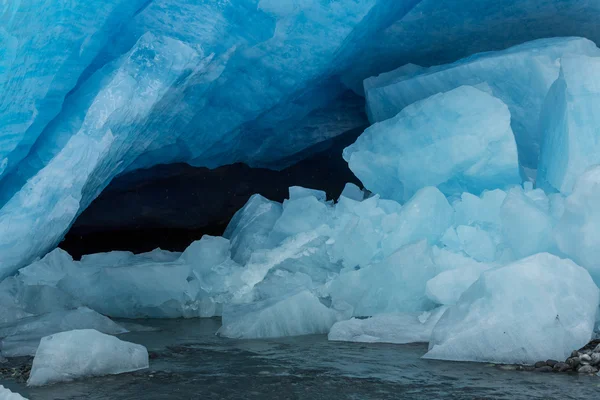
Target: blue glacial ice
{"type": "Point", "coordinates": [569, 124]}
{"type": "Point", "coordinates": [476, 171]}
{"type": "Point", "coordinates": [464, 136]}
{"type": "Point", "coordinates": [520, 76]}
{"type": "Point", "coordinates": [556, 302]}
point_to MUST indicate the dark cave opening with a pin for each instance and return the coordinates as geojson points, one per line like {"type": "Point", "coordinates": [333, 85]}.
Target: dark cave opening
{"type": "Point", "coordinates": [170, 206]}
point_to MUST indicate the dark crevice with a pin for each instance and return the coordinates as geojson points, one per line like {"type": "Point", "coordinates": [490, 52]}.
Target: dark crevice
{"type": "Point", "coordinates": [169, 206]}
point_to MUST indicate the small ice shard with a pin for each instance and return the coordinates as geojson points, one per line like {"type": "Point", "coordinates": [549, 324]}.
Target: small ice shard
{"type": "Point", "coordinates": [520, 76]}
{"type": "Point", "coordinates": [83, 353]}
{"type": "Point", "coordinates": [299, 314]}
{"type": "Point", "coordinates": [22, 338]}
{"type": "Point", "coordinates": [6, 394]}
{"type": "Point", "coordinates": [398, 328]}
{"type": "Point", "coordinates": [541, 307]}
{"type": "Point", "coordinates": [569, 124]}
{"type": "Point", "coordinates": [463, 137]}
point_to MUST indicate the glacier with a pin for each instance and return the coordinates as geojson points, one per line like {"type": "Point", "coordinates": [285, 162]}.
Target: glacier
{"type": "Point", "coordinates": [476, 229]}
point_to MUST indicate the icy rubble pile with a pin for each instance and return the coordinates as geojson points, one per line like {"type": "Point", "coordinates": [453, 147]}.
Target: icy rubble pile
{"type": "Point", "coordinates": [449, 244]}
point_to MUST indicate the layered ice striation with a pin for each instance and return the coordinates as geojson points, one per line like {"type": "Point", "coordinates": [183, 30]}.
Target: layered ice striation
{"type": "Point", "coordinates": [569, 124]}
{"type": "Point", "coordinates": [463, 136]}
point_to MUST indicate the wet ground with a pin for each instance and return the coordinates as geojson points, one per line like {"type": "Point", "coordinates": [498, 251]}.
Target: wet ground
{"type": "Point", "coordinates": [190, 362]}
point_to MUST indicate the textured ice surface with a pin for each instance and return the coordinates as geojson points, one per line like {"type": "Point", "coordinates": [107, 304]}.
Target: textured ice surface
{"type": "Point", "coordinates": [537, 308]}
{"type": "Point", "coordinates": [577, 232]}
{"type": "Point", "coordinates": [388, 328]}
{"type": "Point", "coordinates": [519, 76]}
{"type": "Point", "coordinates": [463, 137]}
{"type": "Point", "coordinates": [299, 314]}
{"type": "Point", "coordinates": [22, 338]}
{"type": "Point", "coordinates": [81, 353]}
{"type": "Point", "coordinates": [210, 83]}
{"type": "Point", "coordinates": [569, 124]}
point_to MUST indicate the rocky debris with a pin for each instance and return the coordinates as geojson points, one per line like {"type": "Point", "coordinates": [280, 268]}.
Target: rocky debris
{"type": "Point", "coordinates": [584, 361]}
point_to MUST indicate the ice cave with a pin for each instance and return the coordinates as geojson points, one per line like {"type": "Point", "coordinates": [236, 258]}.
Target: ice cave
{"type": "Point", "coordinates": [259, 198]}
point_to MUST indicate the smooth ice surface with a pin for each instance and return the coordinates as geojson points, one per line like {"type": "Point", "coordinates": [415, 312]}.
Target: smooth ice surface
{"type": "Point", "coordinates": [541, 307]}
{"type": "Point", "coordinates": [463, 137]}
{"type": "Point", "coordinates": [22, 338]}
{"type": "Point", "coordinates": [6, 394]}
{"type": "Point", "coordinates": [81, 353]}
{"type": "Point", "coordinates": [388, 328]}
{"type": "Point", "coordinates": [569, 124]}
{"type": "Point", "coordinates": [519, 76]}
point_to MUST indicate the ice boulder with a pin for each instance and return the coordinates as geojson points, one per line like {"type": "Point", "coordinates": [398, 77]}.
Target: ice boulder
{"type": "Point", "coordinates": [570, 124]}
{"type": "Point", "coordinates": [22, 338]}
{"type": "Point", "coordinates": [397, 284]}
{"type": "Point", "coordinates": [528, 226]}
{"type": "Point", "coordinates": [459, 141]}
{"type": "Point", "coordinates": [82, 353]}
{"type": "Point", "coordinates": [447, 287]}
{"type": "Point", "coordinates": [249, 228]}
{"type": "Point", "coordinates": [6, 394]}
{"type": "Point", "coordinates": [299, 314]}
{"type": "Point", "coordinates": [520, 76]}
{"type": "Point", "coordinates": [398, 328]}
{"type": "Point", "coordinates": [541, 307]}
{"type": "Point", "coordinates": [578, 231]}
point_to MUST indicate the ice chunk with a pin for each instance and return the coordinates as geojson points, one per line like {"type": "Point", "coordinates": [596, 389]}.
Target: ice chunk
{"type": "Point", "coordinates": [6, 394]}
{"type": "Point", "coordinates": [569, 124]}
{"type": "Point", "coordinates": [82, 353]}
{"type": "Point", "coordinates": [150, 289]}
{"type": "Point", "coordinates": [463, 136]}
{"type": "Point", "coordinates": [299, 314]}
{"type": "Point", "coordinates": [388, 328]}
{"type": "Point", "coordinates": [538, 308]}
{"type": "Point", "coordinates": [527, 225]}
{"type": "Point", "coordinates": [447, 287]}
{"type": "Point", "coordinates": [396, 284]}
{"type": "Point", "coordinates": [23, 337]}
{"type": "Point", "coordinates": [352, 192]}
{"type": "Point", "coordinates": [249, 228]}
{"type": "Point", "coordinates": [578, 231]}
{"type": "Point", "coordinates": [520, 76]}
{"type": "Point", "coordinates": [426, 216]}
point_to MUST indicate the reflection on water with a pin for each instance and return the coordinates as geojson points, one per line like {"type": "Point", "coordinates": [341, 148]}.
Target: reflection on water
{"type": "Point", "coordinates": [192, 363]}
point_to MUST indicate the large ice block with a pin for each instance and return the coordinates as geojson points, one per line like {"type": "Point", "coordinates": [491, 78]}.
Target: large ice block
{"type": "Point", "coordinates": [520, 76]}
{"type": "Point", "coordinates": [541, 307]}
{"type": "Point", "coordinates": [459, 141]}
{"type": "Point", "coordinates": [83, 353]}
